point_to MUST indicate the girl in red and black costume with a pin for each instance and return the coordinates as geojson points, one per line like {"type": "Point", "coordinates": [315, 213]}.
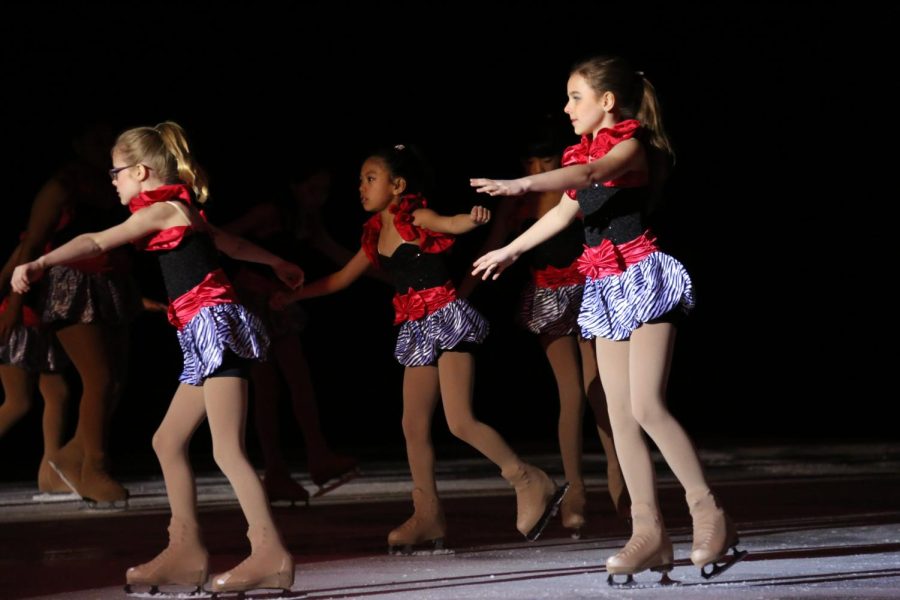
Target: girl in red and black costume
{"type": "Point", "coordinates": [157, 177]}
{"type": "Point", "coordinates": [549, 309]}
{"type": "Point", "coordinates": [437, 332]}
{"type": "Point", "coordinates": [633, 296]}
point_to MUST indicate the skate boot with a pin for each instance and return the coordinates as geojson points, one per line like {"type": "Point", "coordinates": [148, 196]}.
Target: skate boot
{"type": "Point", "coordinates": [572, 509]}
{"type": "Point", "coordinates": [537, 499]}
{"type": "Point", "coordinates": [423, 532]}
{"type": "Point", "coordinates": [331, 471]}
{"type": "Point", "coordinates": [49, 481]}
{"type": "Point", "coordinates": [714, 534]}
{"type": "Point", "coordinates": [281, 486]}
{"type": "Point", "coordinates": [184, 562]}
{"type": "Point", "coordinates": [648, 548]}
{"type": "Point", "coordinates": [269, 566]}
{"type": "Point", "coordinates": [97, 487]}
{"type": "Point", "coordinates": [67, 464]}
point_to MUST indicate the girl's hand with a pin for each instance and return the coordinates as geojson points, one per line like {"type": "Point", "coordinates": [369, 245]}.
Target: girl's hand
{"type": "Point", "coordinates": [498, 187]}
{"type": "Point", "coordinates": [151, 305]}
{"type": "Point", "coordinates": [279, 300]}
{"type": "Point", "coordinates": [494, 262]}
{"type": "Point", "coordinates": [289, 273]}
{"type": "Point", "coordinates": [480, 215]}
{"type": "Point", "coordinates": [25, 275]}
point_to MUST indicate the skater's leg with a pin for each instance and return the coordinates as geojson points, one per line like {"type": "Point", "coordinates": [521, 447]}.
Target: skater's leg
{"type": "Point", "coordinates": [565, 361]}
{"type": "Point", "coordinates": [185, 560]}
{"type": "Point", "coordinates": [18, 389]}
{"type": "Point", "coordinates": [536, 495]}
{"type": "Point", "coordinates": [82, 460]}
{"type": "Point", "coordinates": [649, 546]}
{"type": "Point", "coordinates": [427, 525]}
{"type": "Point", "coordinates": [55, 392]}
{"type": "Point", "coordinates": [651, 356]}
{"type": "Point", "coordinates": [324, 465]}
{"type": "Point", "coordinates": [277, 479]}
{"type": "Point", "coordinates": [597, 399]}
{"type": "Point", "coordinates": [269, 565]}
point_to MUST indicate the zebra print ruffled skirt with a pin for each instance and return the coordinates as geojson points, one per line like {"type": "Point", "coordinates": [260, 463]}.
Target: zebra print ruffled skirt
{"type": "Point", "coordinates": [420, 342]}
{"type": "Point", "coordinates": [214, 331]}
{"type": "Point", "coordinates": [551, 311]}
{"type": "Point", "coordinates": [612, 307]}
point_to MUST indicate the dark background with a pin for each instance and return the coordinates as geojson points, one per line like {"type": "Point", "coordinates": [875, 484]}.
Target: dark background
{"type": "Point", "coordinates": [769, 108]}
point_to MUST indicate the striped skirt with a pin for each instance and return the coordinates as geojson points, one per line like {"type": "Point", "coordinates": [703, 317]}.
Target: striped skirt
{"type": "Point", "coordinates": [551, 311]}
{"type": "Point", "coordinates": [214, 331]}
{"type": "Point", "coordinates": [613, 306]}
{"type": "Point", "coordinates": [421, 342]}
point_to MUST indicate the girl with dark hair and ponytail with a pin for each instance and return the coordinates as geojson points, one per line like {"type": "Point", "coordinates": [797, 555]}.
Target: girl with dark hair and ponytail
{"type": "Point", "coordinates": [634, 294]}
{"type": "Point", "coordinates": [438, 331]}
{"type": "Point", "coordinates": [158, 179]}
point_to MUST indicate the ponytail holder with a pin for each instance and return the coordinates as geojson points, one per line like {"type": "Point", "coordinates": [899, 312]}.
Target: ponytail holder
{"type": "Point", "coordinates": [399, 147]}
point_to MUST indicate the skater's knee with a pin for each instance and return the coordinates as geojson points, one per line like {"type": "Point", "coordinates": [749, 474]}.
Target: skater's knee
{"type": "Point", "coordinates": [168, 446]}
{"type": "Point", "coordinates": [463, 427]}
{"type": "Point", "coordinates": [227, 455]}
{"type": "Point", "coordinates": [649, 413]}
{"type": "Point", "coordinates": [415, 430]}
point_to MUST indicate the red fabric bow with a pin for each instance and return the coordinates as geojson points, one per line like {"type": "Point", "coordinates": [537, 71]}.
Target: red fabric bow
{"type": "Point", "coordinates": [415, 304]}
{"type": "Point", "coordinates": [167, 238]}
{"type": "Point", "coordinates": [215, 289]}
{"type": "Point", "coordinates": [553, 277]}
{"type": "Point", "coordinates": [608, 259]}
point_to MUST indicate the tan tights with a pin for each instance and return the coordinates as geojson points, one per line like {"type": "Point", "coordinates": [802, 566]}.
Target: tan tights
{"type": "Point", "coordinates": [452, 380]}
{"type": "Point", "coordinates": [223, 400]}
{"type": "Point", "coordinates": [634, 375]}
{"type": "Point", "coordinates": [18, 389]}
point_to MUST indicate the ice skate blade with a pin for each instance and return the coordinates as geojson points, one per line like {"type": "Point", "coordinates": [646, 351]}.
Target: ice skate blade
{"type": "Point", "coordinates": [65, 479]}
{"type": "Point", "coordinates": [143, 590]}
{"type": "Point", "coordinates": [549, 513]}
{"type": "Point", "coordinates": [429, 548]}
{"type": "Point", "coordinates": [630, 583]}
{"type": "Point", "coordinates": [257, 594]}
{"type": "Point", "coordinates": [722, 564]}
{"type": "Point", "coordinates": [333, 484]}
{"type": "Point", "coordinates": [48, 497]}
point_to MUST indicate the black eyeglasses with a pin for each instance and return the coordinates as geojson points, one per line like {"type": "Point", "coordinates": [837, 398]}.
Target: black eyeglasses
{"type": "Point", "coordinates": [113, 173]}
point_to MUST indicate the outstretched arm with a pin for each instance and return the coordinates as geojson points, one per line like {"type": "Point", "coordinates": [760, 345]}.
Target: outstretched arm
{"type": "Point", "coordinates": [556, 219]}
{"type": "Point", "coordinates": [241, 249]}
{"type": "Point", "coordinates": [625, 157]}
{"type": "Point", "coordinates": [329, 284]}
{"type": "Point", "coordinates": [457, 224]}
{"type": "Point", "coordinates": [139, 225]}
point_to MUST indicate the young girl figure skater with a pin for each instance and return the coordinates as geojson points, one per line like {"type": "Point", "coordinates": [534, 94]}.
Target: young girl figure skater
{"type": "Point", "coordinates": [157, 177]}
{"type": "Point", "coordinates": [549, 309]}
{"type": "Point", "coordinates": [633, 295]}
{"type": "Point", "coordinates": [438, 331]}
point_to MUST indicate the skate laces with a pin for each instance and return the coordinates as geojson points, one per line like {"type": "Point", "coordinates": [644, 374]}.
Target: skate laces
{"type": "Point", "coordinates": [709, 521]}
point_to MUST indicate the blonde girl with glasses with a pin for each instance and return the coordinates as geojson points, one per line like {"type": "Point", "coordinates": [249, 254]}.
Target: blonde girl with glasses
{"type": "Point", "coordinates": [157, 177]}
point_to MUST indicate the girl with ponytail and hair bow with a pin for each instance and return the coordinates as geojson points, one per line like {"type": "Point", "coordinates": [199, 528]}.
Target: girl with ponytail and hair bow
{"type": "Point", "coordinates": [634, 294]}
{"type": "Point", "coordinates": [438, 331]}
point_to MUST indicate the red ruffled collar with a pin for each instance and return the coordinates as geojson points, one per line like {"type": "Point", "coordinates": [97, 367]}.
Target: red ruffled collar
{"type": "Point", "coordinates": [590, 150]}
{"type": "Point", "coordinates": [428, 241]}
{"type": "Point", "coordinates": [163, 193]}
